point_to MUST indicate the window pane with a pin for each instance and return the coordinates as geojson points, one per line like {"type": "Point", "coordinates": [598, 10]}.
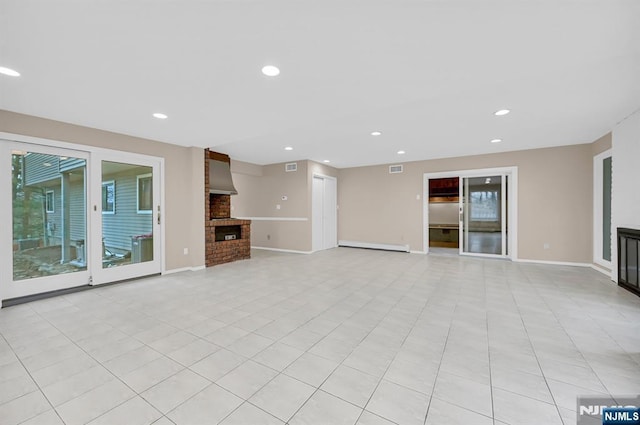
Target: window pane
{"type": "Point", "coordinates": [145, 194]}
{"type": "Point", "coordinates": [606, 209]}
{"type": "Point", "coordinates": [108, 197]}
{"type": "Point", "coordinates": [127, 233]}
{"type": "Point", "coordinates": [485, 205]}
{"type": "Point", "coordinates": [49, 215]}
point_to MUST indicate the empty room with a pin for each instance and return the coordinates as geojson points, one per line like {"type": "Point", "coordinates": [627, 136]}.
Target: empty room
{"type": "Point", "coordinates": [326, 213]}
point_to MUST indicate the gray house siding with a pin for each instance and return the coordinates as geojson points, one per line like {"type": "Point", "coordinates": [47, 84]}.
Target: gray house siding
{"type": "Point", "coordinates": [118, 228]}
{"type": "Point", "coordinates": [35, 168]}
{"type": "Point", "coordinates": [78, 213]}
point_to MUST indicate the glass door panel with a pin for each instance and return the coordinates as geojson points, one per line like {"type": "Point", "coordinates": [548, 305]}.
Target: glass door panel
{"type": "Point", "coordinates": [47, 208]}
{"type": "Point", "coordinates": [127, 214]}
{"type": "Point", "coordinates": [483, 215]}
{"type": "Point", "coordinates": [127, 211]}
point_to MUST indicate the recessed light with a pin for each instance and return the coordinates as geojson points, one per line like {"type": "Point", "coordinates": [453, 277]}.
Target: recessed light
{"type": "Point", "coordinates": [496, 140]}
{"type": "Point", "coordinates": [270, 70]}
{"type": "Point", "coordinates": [376, 133]}
{"type": "Point", "coordinates": [160, 116]}
{"type": "Point", "coordinates": [8, 71]}
{"type": "Point", "coordinates": [288, 148]}
{"type": "Point", "coordinates": [501, 112]}
{"type": "Point", "coordinates": [401, 152]}
{"type": "Point", "coordinates": [326, 161]}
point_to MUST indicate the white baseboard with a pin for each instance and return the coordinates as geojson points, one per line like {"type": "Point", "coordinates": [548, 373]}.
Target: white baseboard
{"type": "Point", "coordinates": [553, 263]}
{"type": "Point", "coordinates": [602, 270]}
{"type": "Point", "coordinates": [417, 252]}
{"type": "Point", "coordinates": [383, 246]}
{"type": "Point", "coordinates": [291, 251]}
{"type": "Point", "coordinates": [184, 269]}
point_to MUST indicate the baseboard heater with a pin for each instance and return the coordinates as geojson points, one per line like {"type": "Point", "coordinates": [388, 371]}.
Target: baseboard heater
{"type": "Point", "coordinates": [380, 246]}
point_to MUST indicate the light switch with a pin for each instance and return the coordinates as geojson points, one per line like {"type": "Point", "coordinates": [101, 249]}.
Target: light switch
{"type": "Point", "coordinates": [278, 206]}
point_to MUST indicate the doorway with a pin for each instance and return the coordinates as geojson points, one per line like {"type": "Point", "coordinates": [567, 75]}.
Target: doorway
{"type": "Point", "coordinates": [76, 217]}
{"type": "Point", "coordinates": [324, 214]}
{"type": "Point", "coordinates": [471, 212]}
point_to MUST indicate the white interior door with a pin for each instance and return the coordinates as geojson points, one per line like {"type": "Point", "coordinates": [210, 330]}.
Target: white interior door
{"type": "Point", "coordinates": [44, 207]}
{"type": "Point", "coordinates": [324, 213]}
{"type": "Point", "coordinates": [330, 213]}
{"type": "Point", "coordinates": [126, 211]}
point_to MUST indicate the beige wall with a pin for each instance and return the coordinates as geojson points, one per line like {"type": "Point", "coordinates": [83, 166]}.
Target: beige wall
{"type": "Point", "coordinates": [602, 144]}
{"type": "Point", "coordinates": [555, 196]}
{"type": "Point", "coordinates": [184, 182]}
{"type": "Point", "coordinates": [260, 190]}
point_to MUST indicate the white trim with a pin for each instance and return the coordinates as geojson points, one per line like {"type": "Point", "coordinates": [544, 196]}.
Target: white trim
{"type": "Point", "coordinates": [183, 269]}
{"type": "Point", "coordinates": [481, 255]}
{"type": "Point", "coordinates": [369, 245]}
{"type": "Point", "coordinates": [291, 251]}
{"type": "Point", "coordinates": [417, 252]}
{"type": "Point", "coordinates": [553, 263]}
{"type": "Point", "coordinates": [511, 172]}
{"type": "Point", "coordinates": [274, 218]}
{"type": "Point", "coordinates": [605, 272]}
{"type": "Point", "coordinates": [598, 174]}
{"type": "Point", "coordinates": [324, 176]}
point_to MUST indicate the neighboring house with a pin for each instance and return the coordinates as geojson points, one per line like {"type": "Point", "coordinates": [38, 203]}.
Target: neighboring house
{"type": "Point", "coordinates": [126, 201]}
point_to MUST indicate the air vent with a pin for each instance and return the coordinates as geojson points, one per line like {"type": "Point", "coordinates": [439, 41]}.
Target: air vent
{"type": "Point", "coordinates": [394, 169]}
{"type": "Point", "coordinates": [292, 166]}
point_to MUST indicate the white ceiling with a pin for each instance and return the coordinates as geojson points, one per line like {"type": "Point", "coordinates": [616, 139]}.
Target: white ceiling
{"type": "Point", "coordinates": [427, 73]}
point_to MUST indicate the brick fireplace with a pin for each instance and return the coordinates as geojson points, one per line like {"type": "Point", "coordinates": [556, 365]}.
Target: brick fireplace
{"type": "Point", "coordinates": [226, 239]}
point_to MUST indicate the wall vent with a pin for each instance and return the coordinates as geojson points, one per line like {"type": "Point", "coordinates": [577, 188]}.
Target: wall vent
{"type": "Point", "coordinates": [394, 169]}
{"type": "Point", "coordinates": [292, 166]}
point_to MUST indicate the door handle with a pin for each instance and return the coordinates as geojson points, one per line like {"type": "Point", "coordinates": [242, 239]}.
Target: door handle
{"type": "Point", "coordinates": [158, 214]}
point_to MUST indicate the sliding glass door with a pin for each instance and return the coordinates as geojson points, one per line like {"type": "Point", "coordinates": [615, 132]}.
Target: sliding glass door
{"type": "Point", "coordinates": [75, 218]}
{"type": "Point", "coordinates": [483, 215]}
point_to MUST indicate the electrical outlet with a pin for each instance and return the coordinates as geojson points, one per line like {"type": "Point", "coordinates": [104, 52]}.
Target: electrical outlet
{"type": "Point", "coordinates": [418, 197]}
{"type": "Point", "coordinates": [277, 206]}
{"type": "Point", "coordinates": [185, 251]}
{"type": "Point", "coordinates": [285, 197]}
{"type": "Point", "coordinates": [546, 245]}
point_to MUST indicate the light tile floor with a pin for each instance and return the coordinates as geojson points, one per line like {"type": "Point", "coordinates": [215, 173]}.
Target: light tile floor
{"type": "Point", "coordinates": [344, 336]}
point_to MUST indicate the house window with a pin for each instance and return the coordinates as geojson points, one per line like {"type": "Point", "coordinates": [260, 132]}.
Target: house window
{"type": "Point", "coordinates": [49, 201]}
{"type": "Point", "coordinates": [484, 205]}
{"type": "Point", "coordinates": [109, 197]}
{"type": "Point", "coordinates": [145, 194]}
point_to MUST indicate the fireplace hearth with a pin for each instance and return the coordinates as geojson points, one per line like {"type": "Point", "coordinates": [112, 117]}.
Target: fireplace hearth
{"type": "Point", "coordinates": [227, 239]}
